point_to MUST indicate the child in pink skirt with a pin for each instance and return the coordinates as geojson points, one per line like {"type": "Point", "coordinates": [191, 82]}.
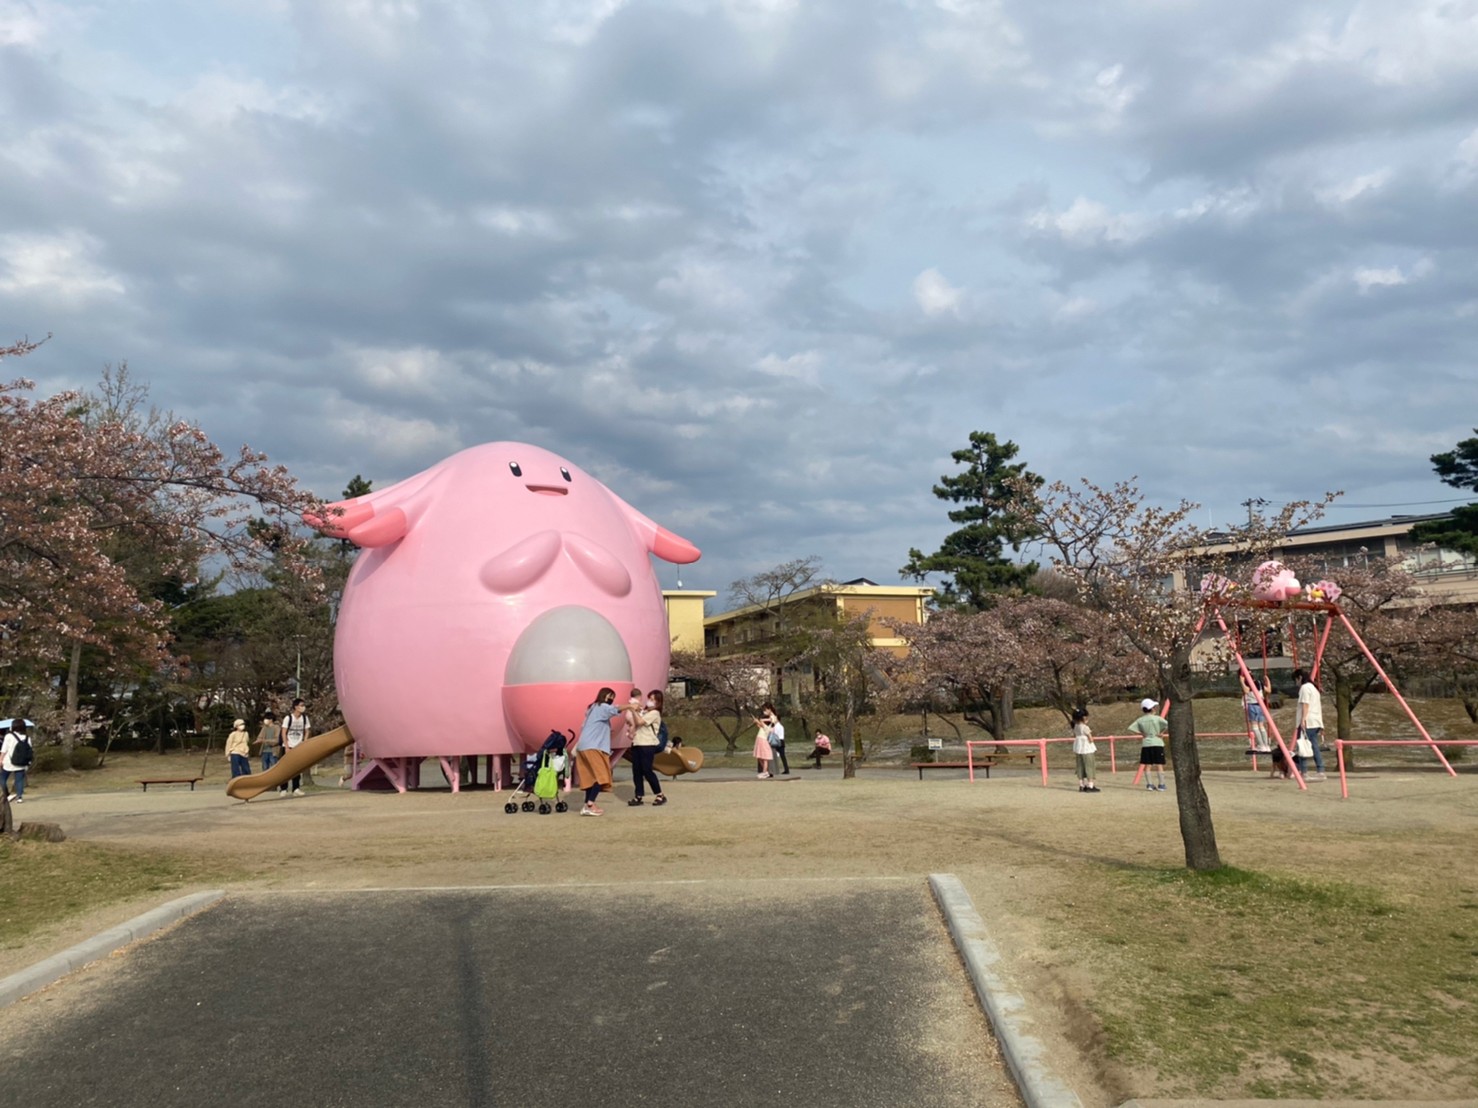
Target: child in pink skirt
{"type": "Point", "coordinates": [763, 752]}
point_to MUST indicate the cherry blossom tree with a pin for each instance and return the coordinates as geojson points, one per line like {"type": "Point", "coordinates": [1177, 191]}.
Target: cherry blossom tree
{"type": "Point", "coordinates": [87, 495]}
{"type": "Point", "coordinates": [725, 691]}
{"type": "Point", "coordinates": [850, 683]}
{"type": "Point", "coordinates": [962, 661]}
{"type": "Point", "coordinates": [1125, 557]}
{"type": "Point", "coordinates": [1072, 655]}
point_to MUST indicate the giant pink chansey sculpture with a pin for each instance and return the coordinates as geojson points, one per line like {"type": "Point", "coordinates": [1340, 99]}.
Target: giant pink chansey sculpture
{"type": "Point", "coordinates": [496, 593]}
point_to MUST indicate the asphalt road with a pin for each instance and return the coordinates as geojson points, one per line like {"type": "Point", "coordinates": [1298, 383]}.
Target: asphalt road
{"type": "Point", "coordinates": [802, 993]}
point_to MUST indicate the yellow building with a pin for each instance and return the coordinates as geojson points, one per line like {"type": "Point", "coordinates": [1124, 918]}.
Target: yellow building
{"type": "Point", "coordinates": [748, 628]}
{"type": "Point", "coordinates": [685, 617]}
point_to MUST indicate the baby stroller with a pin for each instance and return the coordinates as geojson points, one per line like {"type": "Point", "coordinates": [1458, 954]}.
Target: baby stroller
{"type": "Point", "coordinates": [545, 776]}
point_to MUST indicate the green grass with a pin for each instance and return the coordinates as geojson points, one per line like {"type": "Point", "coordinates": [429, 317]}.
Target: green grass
{"type": "Point", "coordinates": [42, 884]}
{"type": "Point", "coordinates": [1270, 985]}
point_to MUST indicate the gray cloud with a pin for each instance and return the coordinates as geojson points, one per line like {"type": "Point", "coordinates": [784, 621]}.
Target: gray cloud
{"type": "Point", "coordinates": [763, 265]}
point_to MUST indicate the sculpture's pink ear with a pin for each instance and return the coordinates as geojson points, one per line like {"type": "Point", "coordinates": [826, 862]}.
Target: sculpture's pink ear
{"type": "Point", "coordinates": [674, 548]}
{"type": "Point", "coordinates": [659, 540]}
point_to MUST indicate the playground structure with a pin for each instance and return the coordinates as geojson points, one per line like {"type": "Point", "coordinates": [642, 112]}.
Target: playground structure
{"type": "Point", "coordinates": [496, 593]}
{"type": "Point", "coordinates": [1274, 589]}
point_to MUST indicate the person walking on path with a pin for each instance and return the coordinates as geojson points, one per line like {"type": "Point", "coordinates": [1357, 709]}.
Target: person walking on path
{"type": "Point", "coordinates": [776, 736]}
{"type": "Point", "coordinates": [763, 752]}
{"type": "Point", "coordinates": [593, 750]}
{"type": "Point", "coordinates": [269, 740]}
{"type": "Point", "coordinates": [1151, 729]}
{"type": "Point", "coordinates": [1309, 720]}
{"type": "Point", "coordinates": [644, 746]}
{"type": "Point", "coordinates": [1083, 751]}
{"type": "Point", "coordinates": [296, 728]}
{"type": "Point", "coordinates": [16, 756]}
{"type": "Point", "coordinates": [238, 749]}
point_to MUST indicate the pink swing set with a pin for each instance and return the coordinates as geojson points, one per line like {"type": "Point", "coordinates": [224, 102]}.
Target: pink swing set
{"type": "Point", "coordinates": [1275, 589]}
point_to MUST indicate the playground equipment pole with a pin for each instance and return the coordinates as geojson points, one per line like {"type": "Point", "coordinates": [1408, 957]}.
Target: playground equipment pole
{"type": "Point", "coordinates": [1391, 687]}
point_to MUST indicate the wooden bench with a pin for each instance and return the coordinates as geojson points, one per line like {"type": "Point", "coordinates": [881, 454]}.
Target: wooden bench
{"type": "Point", "coordinates": [984, 762]}
{"type": "Point", "coordinates": [921, 766]}
{"type": "Point", "coordinates": [147, 781]}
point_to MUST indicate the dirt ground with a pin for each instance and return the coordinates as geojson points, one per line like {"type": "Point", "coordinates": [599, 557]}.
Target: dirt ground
{"type": "Point", "coordinates": [1020, 849]}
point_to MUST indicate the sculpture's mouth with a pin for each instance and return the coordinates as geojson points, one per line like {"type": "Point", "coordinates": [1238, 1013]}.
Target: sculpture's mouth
{"type": "Point", "coordinates": [568, 645]}
{"type": "Point", "coordinates": [548, 490]}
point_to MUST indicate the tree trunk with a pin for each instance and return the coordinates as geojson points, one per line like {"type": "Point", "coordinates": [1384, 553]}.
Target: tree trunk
{"type": "Point", "coordinates": [1196, 830]}
{"type": "Point", "coordinates": [1344, 694]}
{"type": "Point", "coordinates": [69, 716]}
{"type": "Point", "coordinates": [1006, 708]}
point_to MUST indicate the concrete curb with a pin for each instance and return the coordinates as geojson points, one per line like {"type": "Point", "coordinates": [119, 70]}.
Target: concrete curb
{"type": "Point", "coordinates": [43, 973]}
{"type": "Point", "coordinates": [1039, 1086]}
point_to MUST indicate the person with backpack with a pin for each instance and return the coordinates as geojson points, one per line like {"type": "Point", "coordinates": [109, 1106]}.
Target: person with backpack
{"type": "Point", "coordinates": [16, 756]}
{"type": "Point", "coordinates": [295, 731]}
{"type": "Point", "coordinates": [646, 742]}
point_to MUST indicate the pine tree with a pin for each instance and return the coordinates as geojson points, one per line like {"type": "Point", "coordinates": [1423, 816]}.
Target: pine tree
{"type": "Point", "coordinates": [973, 558]}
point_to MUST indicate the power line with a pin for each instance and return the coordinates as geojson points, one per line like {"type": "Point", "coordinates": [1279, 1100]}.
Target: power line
{"type": "Point", "coordinates": [1400, 504]}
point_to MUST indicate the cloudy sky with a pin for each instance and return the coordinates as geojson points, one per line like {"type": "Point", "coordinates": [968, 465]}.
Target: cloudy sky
{"type": "Point", "coordinates": [762, 264]}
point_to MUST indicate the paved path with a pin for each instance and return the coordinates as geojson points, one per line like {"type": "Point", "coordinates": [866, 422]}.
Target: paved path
{"type": "Point", "coordinates": [739, 993]}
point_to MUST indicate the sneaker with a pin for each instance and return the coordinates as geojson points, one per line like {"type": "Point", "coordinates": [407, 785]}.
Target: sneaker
{"type": "Point", "coordinates": [1161, 788]}
{"type": "Point", "coordinates": [299, 792]}
{"type": "Point", "coordinates": [1149, 788]}
{"type": "Point", "coordinates": [634, 802]}
{"type": "Point", "coordinates": [12, 796]}
{"type": "Point", "coordinates": [17, 800]}
{"type": "Point", "coordinates": [589, 811]}
{"type": "Point", "coordinates": [1093, 789]}
{"type": "Point", "coordinates": [1317, 777]}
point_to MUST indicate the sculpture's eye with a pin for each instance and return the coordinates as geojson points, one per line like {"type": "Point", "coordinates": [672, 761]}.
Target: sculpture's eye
{"type": "Point", "coordinates": [516, 469]}
{"type": "Point", "coordinates": [565, 473]}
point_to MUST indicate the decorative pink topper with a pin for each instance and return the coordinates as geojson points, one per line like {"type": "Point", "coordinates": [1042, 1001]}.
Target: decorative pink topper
{"type": "Point", "coordinates": [497, 592]}
{"type": "Point", "coordinates": [1273, 581]}
{"type": "Point", "coordinates": [1323, 590]}
{"type": "Point", "coordinates": [1214, 584]}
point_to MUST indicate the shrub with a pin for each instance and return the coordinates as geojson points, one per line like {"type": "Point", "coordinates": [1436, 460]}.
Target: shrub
{"type": "Point", "coordinates": [50, 759]}
{"type": "Point", "coordinates": [86, 757]}
{"type": "Point", "coordinates": [920, 754]}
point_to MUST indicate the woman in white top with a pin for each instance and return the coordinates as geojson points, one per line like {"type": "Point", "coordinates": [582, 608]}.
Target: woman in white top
{"type": "Point", "coordinates": [1083, 751]}
{"type": "Point", "coordinates": [13, 770]}
{"type": "Point", "coordinates": [644, 745]}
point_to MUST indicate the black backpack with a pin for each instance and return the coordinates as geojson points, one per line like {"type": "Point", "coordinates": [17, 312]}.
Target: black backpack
{"type": "Point", "coordinates": [661, 736]}
{"type": "Point", "coordinates": [22, 753]}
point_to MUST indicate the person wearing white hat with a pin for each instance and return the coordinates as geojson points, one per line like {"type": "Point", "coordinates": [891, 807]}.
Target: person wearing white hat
{"type": "Point", "coordinates": [1151, 729]}
{"type": "Point", "coordinates": [238, 749]}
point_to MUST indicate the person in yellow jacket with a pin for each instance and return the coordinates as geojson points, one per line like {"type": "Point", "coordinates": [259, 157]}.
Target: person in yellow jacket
{"type": "Point", "coordinates": [238, 749]}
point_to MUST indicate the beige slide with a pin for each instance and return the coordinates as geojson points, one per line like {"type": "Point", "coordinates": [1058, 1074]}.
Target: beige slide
{"type": "Point", "coordinates": [677, 760]}
{"type": "Point", "coordinates": [307, 753]}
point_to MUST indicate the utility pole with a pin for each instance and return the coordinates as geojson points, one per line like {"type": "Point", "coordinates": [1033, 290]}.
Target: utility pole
{"type": "Point", "coordinates": [1250, 503]}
